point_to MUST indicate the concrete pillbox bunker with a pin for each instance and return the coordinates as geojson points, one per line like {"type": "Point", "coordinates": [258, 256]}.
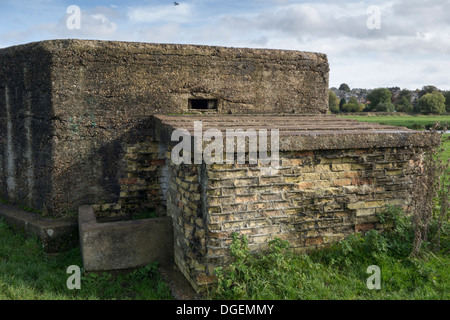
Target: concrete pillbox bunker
{"type": "Point", "coordinates": [88, 124]}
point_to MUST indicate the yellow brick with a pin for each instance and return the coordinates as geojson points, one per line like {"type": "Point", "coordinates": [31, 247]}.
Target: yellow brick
{"type": "Point", "coordinates": [356, 205]}
{"type": "Point", "coordinates": [292, 210]}
{"type": "Point", "coordinates": [397, 202]}
{"type": "Point", "coordinates": [341, 167]}
{"type": "Point", "coordinates": [365, 212]}
{"type": "Point", "coordinates": [296, 162]}
{"type": "Point", "coordinates": [304, 169]}
{"type": "Point", "coordinates": [312, 176]}
{"type": "Point", "coordinates": [367, 204]}
{"type": "Point", "coordinates": [357, 166]}
{"type": "Point", "coordinates": [331, 175]}
{"type": "Point", "coordinates": [384, 165]}
{"type": "Point", "coordinates": [246, 198]}
{"type": "Point", "coordinates": [394, 172]}
{"type": "Point", "coordinates": [342, 182]}
{"type": "Point", "coordinates": [322, 183]}
{"type": "Point", "coordinates": [293, 179]}
{"type": "Point", "coordinates": [333, 160]}
{"type": "Point", "coordinates": [322, 167]}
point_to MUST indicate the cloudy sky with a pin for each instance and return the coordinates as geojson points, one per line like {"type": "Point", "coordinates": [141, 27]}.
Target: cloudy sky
{"type": "Point", "coordinates": [369, 44]}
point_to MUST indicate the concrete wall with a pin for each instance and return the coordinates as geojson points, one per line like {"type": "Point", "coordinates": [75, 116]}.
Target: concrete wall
{"type": "Point", "coordinates": [70, 109]}
{"type": "Point", "coordinates": [26, 135]}
{"type": "Point", "coordinates": [123, 244]}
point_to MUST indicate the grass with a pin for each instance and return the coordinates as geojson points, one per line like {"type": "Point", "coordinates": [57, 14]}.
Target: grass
{"type": "Point", "coordinates": [446, 146]}
{"type": "Point", "coordinates": [412, 122]}
{"type": "Point", "coordinates": [409, 121]}
{"type": "Point", "coordinates": [28, 273]}
{"type": "Point", "coordinates": [339, 272]}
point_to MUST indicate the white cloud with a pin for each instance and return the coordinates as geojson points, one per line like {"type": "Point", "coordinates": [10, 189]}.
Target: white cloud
{"type": "Point", "coordinates": [166, 13]}
{"type": "Point", "coordinates": [410, 47]}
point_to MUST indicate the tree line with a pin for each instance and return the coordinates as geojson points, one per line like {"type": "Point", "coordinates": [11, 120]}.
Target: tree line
{"type": "Point", "coordinates": [428, 100]}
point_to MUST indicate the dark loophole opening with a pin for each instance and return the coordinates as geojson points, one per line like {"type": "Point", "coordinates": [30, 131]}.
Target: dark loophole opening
{"type": "Point", "coordinates": [203, 104]}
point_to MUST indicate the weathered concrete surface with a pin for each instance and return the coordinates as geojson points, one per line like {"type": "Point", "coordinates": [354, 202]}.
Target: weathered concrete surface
{"type": "Point", "coordinates": [69, 109]}
{"type": "Point", "coordinates": [301, 132]}
{"type": "Point", "coordinates": [123, 244]}
{"type": "Point", "coordinates": [55, 235]}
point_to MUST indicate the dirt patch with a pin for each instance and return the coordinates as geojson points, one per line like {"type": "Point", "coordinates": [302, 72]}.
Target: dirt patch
{"type": "Point", "coordinates": [179, 286]}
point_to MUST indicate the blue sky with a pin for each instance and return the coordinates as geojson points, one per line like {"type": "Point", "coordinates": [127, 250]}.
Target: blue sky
{"type": "Point", "coordinates": [410, 49]}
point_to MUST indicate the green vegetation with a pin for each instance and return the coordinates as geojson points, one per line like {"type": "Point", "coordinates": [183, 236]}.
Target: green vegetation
{"type": "Point", "coordinates": [446, 147]}
{"type": "Point", "coordinates": [431, 103]}
{"type": "Point", "coordinates": [428, 100]}
{"type": "Point", "coordinates": [380, 100]}
{"type": "Point", "coordinates": [352, 105]}
{"type": "Point", "coordinates": [344, 87]}
{"type": "Point", "coordinates": [28, 273]}
{"type": "Point", "coordinates": [333, 102]}
{"type": "Point", "coordinates": [340, 272]}
{"type": "Point", "coordinates": [409, 121]}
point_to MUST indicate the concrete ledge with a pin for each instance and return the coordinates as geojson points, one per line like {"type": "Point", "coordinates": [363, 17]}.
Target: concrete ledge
{"type": "Point", "coordinates": [55, 235]}
{"type": "Point", "coordinates": [123, 244]}
{"type": "Point", "coordinates": [301, 132]}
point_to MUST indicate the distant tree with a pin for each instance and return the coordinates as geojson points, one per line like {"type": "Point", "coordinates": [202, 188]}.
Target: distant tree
{"type": "Point", "coordinates": [406, 93]}
{"type": "Point", "coordinates": [352, 105]}
{"type": "Point", "coordinates": [353, 99]}
{"type": "Point", "coordinates": [341, 103]}
{"type": "Point", "coordinates": [385, 106]}
{"type": "Point", "coordinates": [432, 103]}
{"type": "Point", "coordinates": [403, 101]}
{"type": "Point", "coordinates": [447, 101]}
{"type": "Point", "coordinates": [427, 89]}
{"type": "Point", "coordinates": [378, 96]}
{"type": "Point", "coordinates": [404, 105]}
{"type": "Point", "coordinates": [344, 87]}
{"type": "Point", "coordinates": [333, 102]}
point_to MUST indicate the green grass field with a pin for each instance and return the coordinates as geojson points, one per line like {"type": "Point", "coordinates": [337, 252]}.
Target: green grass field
{"type": "Point", "coordinates": [408, 121]}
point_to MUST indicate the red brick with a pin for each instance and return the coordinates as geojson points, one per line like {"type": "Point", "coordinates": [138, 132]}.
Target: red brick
{"type": "Point", "coordinates": [129, 180]}
{"type": "Point", "coordinates": [341, 182]}
{"type": "Point", "coordinates": [313, 241]}
{"type": "Point", "coordinates": [352, 174]}
{"type": "Point", "coordinates": [305, 185]}
{"type": "Point", "coordinates": [158, 162]}
{"type": "Point", "coordinates": [364, 226]}
{"type": "Point", "coordinates": [359, 182]}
